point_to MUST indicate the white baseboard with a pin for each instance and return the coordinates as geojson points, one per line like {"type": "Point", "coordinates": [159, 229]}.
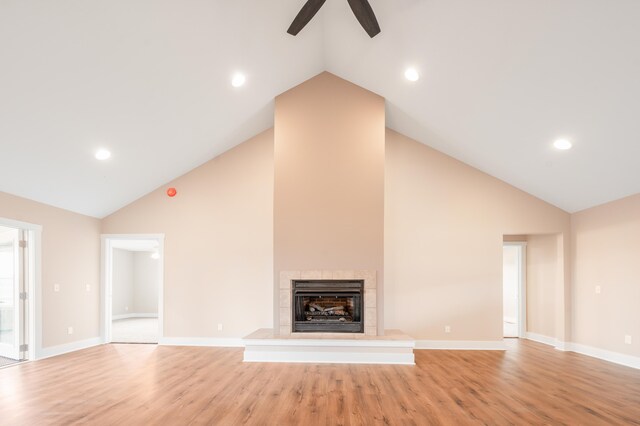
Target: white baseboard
{"type": "Point", "coordinates": [126, 316]}
{"type": "Point", "coordinates": [68, 347]}
{"type": "Point", "coordinates": [230, 342]}
{"type": "Point", "coordinates": [540, 338]}
{"type": "Point", "coordinates": [466, 345]}
{"type": "Point", "coordinates": [605, 355]}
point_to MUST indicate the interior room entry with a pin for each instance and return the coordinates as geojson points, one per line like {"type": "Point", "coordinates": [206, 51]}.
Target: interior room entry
{"type": "Point", "coordinates": [12, 295]}
{"type": "Point", "coordinates": [133, 305]}
{"type": "Point", "coordinates": [513, 294]}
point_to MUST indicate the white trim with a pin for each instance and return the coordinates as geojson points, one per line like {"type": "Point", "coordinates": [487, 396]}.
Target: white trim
{"type": "Point", "coordinates": [33, 284]}
{"type": "Point", "coordinates": [540, 338]}
{"type": "Point", "coordinates": [522, 292]}
{"type": "Point", "coordinates": [68, 347]}
{"type": "Point", "coordinates": [106, 316]}
{"type": "Point", "coordinates": [105, 298]}
{"type": "Point", "coordinates": [127, 316]}
{"type": "Point", "coordinates": [465, 345]}
{"type": "Point", "coordinates": [34, 292]}
{"type": "Point", "coordinates": [230, 342]}
{"type": "Point", "coordinates": [10, 223]}
{"type": "Point", "coordinates": [605, 355]}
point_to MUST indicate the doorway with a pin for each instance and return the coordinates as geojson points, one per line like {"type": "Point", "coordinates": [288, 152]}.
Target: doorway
{"type": "Point", "coordinates": [513, 289]}
{"type": "Point", "coordinates": [132, 276]}
{"type": "Point", "coordinates": [17, 291]}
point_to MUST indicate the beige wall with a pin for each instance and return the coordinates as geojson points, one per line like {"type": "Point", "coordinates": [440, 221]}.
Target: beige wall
{"type": "Point", "coordinates": [329, 178]}
{"type": "Point", "coordinates": [444, 227]}
{"type": "Point", "coordinates": [514, 238]}
{"type": "Point", "coordinates": [71, 259]}
{"type": "Point", "coordinates": [606, 253]}
{"type": "Point", "coordinates": [218, 242]}
{"type": "Point", "coordinates": [542, 266]}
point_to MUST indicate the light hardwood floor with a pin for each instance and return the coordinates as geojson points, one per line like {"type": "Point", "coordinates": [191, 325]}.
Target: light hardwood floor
{"type": "Point", "coordinates": [146, 385]}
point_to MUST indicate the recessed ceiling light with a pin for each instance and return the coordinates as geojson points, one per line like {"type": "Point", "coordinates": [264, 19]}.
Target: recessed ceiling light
{"type": "Point", "coordinates": [562, 144]}
{"type": "Point", "coordinates": [102, 154]}
{"type": "Point", "coordinates": [411, 74]}
{"type": "Point", "coordinates": [238, 80]}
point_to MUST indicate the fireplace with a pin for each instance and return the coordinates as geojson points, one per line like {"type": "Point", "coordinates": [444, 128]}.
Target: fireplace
{"type": "Point", "coordinates": [308, 281]}
{"type": "Point", "coordinates": [327, 306]}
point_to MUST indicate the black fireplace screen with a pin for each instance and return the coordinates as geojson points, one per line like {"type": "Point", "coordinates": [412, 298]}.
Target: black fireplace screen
{"type": "Point", "coordinates": [328, 306]}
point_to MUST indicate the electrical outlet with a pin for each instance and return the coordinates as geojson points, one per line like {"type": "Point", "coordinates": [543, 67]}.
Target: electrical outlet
{"type": "Point", "coordinates": [447, 329]}
{"type": "Point", "coordinates": [56, 287]}
{"type": "Point", "coordinates": [627, 339]}
{"type": "Point", "coordinates": [69, 330]}
{"type": "Point", "coordinates": [219, 327]}
{"type": "Point", "coordinates": [598, 289]}
{"type": "Point", "coordinates": [126, 308]}
{"type": "Point", "coordinates": [87, 287]}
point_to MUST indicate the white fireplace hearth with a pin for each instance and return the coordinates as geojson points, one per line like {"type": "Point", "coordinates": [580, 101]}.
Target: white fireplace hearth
{"type": "Point", "coordinates": [283, 345]}
{"type": "Point", "coordinates": [370, 304]}
{"type": "Point", "coordinates": [394, 347]}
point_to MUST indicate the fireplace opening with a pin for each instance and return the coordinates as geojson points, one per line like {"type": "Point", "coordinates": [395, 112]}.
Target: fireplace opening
{"type": "Point", "coordinates": [328, 306]}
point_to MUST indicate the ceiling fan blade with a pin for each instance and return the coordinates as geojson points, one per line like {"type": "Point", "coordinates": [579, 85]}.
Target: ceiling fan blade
{"type": "Point", "coordinates": [308, 11]}
{"type": "Point", "coordinates": [364, 13]}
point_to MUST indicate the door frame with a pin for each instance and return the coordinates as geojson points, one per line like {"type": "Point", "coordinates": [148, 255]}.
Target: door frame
{"type": "Point", "coordinates": [522, 286]}
{"type": "Point", "coordinates": [32, 284]}
{"type": "Point", "coordinates": [13, 245]}
{"type": "Point", "coordinates": [106, 285]}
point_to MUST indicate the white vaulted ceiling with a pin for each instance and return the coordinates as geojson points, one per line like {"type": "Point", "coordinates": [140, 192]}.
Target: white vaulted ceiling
{"type": "Point", "coordinates": [150, 81]}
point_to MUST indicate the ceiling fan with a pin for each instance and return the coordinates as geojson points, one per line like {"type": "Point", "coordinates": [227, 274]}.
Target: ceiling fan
{"type": "Point", "coordinates": [361, 8]}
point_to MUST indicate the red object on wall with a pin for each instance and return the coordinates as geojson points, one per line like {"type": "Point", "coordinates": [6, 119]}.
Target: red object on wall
{"type": "Point", "coordinates": [171, 192]}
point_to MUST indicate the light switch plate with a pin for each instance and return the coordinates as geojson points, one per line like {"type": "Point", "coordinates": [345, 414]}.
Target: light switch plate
{"type": "Point", "coordinates": [56, 287]}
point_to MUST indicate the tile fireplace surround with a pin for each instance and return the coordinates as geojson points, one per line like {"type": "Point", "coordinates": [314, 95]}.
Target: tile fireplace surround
{"type": "Point", "coordinates": [370, 302]}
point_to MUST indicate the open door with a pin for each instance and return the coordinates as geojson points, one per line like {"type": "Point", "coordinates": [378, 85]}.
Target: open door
{"type": "Point", "coordinates": [12, 309]}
